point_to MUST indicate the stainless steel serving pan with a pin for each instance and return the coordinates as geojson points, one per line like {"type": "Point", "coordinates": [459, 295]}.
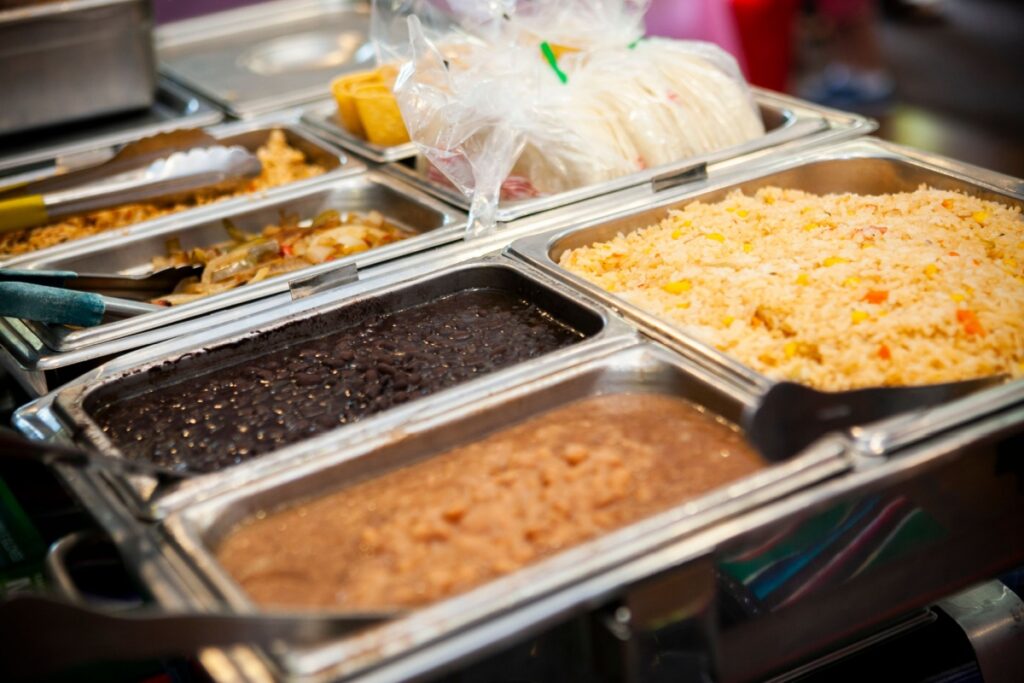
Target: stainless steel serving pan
{"type": "Point", "coordinates": [250, 135]}
{"type": "Point", "coordinates": [429, 222]}
{"type": "Point", "coordinates": [323, 118]}
{"type": "Point", "coordinates": [63, 413]}
{"type": "Point", "coordinates": [69, 61]}
{"type": "Point", "coordinates": [866, 166]}
{"type": "Point", "coordinates": [174, 107]}
{"type": "Point", "coordinates": [790, 125]}
{"type": "Point", "coordinates": [646, 368]}
{"type": "Point", "coordinates": [38, 368]}
{"type": "Point", "coordinates": [268, 56]}
{"type": "Point", "coordinates": [645, 585]}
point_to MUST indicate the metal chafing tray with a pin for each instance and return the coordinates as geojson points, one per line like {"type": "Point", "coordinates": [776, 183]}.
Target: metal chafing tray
{"type": "Point", "coordinates": [862, 166]}
{"type": "Point", "coordinates": [39, 368]}
{"type": "Point", "coordinates": [195, 531]}
{"type": "Point", "coordinates": [174, 108]}
{"type": "Point", "coordinates": [63, 413]}
{"type": "Point", "coordinates": [429, 222]}
{"type": "Point", "coordinates": [323, 118]}
{"type": "Point", "coordinates": [68, 61]}
{"type": "Point", "coordinates": [853, 522]}
{"type": "Point", "coordinates": [269, 56]}
{"type": "Point", "coordinates": [790, 125]}
{"type": "Point", "coordinates": [250, 135]}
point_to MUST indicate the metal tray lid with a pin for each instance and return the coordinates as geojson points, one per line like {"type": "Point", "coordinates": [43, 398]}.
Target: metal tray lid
{"type": "Point", "coordinates": [269, 56]}
{"type": "Point", "coordinates": [175, 107]}
{"type": "Point", "coordinates": [792, 124]}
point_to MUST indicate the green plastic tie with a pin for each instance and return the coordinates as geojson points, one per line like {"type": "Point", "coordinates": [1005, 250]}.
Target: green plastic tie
{"type": "Point", "coordinates": [632, 46]}
{"type": "Point", "coordinates": [549, 55]}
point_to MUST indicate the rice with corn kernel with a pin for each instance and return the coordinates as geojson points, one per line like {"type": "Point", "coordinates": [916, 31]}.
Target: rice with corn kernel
{"type": "Point", "coordinates": [837, 291]}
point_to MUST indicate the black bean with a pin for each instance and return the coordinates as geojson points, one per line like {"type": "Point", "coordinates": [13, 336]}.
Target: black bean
{"type": "Point", "coordinates": [315, 385]}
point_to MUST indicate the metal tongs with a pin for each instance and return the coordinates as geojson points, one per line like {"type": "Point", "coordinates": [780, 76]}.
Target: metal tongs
{"type": "Point", "coordinates": [177, 175]}
{"type": "Point", "coordinates": [63, 297]}
{"type": "Point", "coordinates": [16, 447]}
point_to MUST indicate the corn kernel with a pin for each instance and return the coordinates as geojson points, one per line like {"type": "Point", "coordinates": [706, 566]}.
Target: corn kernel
{"type": "Point", "coordinates": [730, 209]}
{"type": "Point", "coordinates": [687, 223]}
{"type": "Point", "coordinates": [1010, 263]}
{"type": "Point", "coordinates": [678, 287]}
{"type": "Point", "coordinates": [789, 349]}
{"type": "Point", "coordinates": [768, 199]}
{"type": "Point", "coordinates": [947, 203]}
{"type": "Point", "coordinates": [980, 216]}
{"type": "Point", "coordinates": [716, 236]}
{"type": "Point", "coordinates": [834, 260]}
{"type": "Point", "coordinates": [677, 233]}
{"type": "Point", "coordinates": [742, 213]}
{"type": "Point", "coordinates": [969, 290]}
{"type": "Point", "coordinates": [803, 279]}
{"type": "Point", "coordinates": [683, 304]}
{"type": "Point", "coordinates": [931, 270]}
{"type": "Point", "coordinates": [851, 281]}
{"type": "Point", "coordinates": [958, 297]}
{"type": "Point", "coordinates": [747, 247]}
{"type": "Point", "coordinates": [728, 320]}
{"type": "Point", "coordinates": [859, 316]}
{"type": "Point", "coordinates": [810, 226]}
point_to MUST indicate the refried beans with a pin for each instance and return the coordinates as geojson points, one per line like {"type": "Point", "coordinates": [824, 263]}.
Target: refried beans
{"type": "Point", "coordinates": [451, 522]}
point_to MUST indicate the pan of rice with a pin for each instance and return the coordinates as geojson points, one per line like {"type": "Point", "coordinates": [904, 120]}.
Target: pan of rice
{"type": "Point", "coordinates": [287, 153]}
{"type": "Point", "coordinates": [858, 267]}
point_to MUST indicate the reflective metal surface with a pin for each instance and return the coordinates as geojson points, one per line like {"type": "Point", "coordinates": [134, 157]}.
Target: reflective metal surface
{"type": "Point", "coordinates": [249, 135]}
{"type": "Point", "coordinates": [791, 125]}
{"type": "Point", "coordinates": [323, 118]}
{"type": "Point", "coordinates": [865, 166]}
{"type": "Point", "coordinates": [69, 61]}
{"type": "Point", "coordinates": [431, 223]}
{"type": "Point", "coordinates": [31, 360]}
{"type": "Point", "coordinates": [174, 107]}
{"type": "Point", "coordinates": [63, 413]}
{"type": "Point", "coordinates": [638, 368]}
{"type": "Point", "coordinates": [992, 617]}
{"type": "Point", "coordinates": [268, 56]}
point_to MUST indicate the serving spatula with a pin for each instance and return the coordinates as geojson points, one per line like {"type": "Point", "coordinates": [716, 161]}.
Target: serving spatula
{"type": "Point", "coordinates": [790, 416]}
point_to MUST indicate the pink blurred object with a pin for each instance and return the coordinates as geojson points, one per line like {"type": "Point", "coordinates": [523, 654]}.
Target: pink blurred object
{"type": "Point", "coordinates": [709, 20]}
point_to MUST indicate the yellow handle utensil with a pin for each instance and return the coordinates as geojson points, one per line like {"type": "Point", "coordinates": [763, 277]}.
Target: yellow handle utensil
{"type": "Point", "coordinates": [22, 212]}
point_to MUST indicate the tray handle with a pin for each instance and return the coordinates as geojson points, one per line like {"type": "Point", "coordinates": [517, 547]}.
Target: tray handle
{"type": "Point", "coordinates": [58, 572]}
{"type": "Point", "coordinates": [677, 177]}
{"type": "Point", "coordinates": [323, 281]}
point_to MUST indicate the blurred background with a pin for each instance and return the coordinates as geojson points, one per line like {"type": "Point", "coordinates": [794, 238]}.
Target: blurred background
{"type": "Point", "coordinates": [940, 75]}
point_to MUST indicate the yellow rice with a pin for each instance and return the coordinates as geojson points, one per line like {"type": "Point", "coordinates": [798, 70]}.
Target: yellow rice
{"type": "Point", "coordinates": [837, 291]}
{"type": "Point", "coordinates": [282, 164]}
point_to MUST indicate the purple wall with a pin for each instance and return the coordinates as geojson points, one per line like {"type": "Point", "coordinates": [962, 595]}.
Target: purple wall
{"type": "Point", "coordinates": [172, 10]}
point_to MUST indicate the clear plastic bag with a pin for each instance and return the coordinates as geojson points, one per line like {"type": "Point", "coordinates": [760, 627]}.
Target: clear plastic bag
{"type": "Point", "coordinates": [530, 97]}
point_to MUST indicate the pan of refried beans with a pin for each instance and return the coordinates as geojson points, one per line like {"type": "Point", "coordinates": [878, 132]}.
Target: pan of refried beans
{"type": "Point", "coordinates": [448, 523]}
